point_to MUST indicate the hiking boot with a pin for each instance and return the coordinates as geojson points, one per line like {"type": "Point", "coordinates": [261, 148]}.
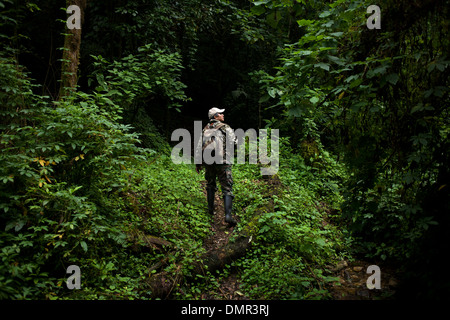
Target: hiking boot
{"type": "Point", "coordinates": [210, 198]}
{"type": "Point", "coordinates": [228, 204]}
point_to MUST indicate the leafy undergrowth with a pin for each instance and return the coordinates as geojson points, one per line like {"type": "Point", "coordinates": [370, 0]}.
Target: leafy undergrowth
{"type": "Point", "coordinates": [76, 190]}
{"type": "Point", "coordinates": [104, 226]}
{"type": "Point", "coordinates": [291, 245]}
{"type": "Point", "coordinates": [295, 242]}
{"type": "Point", "coordinates": [137, 213]}
{"type": "Point", "coordinates": [164, 202]}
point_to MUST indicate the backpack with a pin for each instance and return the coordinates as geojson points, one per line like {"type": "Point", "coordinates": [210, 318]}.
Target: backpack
{"type": "Point", "coordinates": [212, 144]}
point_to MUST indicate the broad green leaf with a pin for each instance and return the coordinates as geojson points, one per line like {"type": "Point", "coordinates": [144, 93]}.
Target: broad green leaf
{"type": "Point", "coordinates": [258, 10]}
{"type": "Point", "coordinates": [392, 78]}
{"type": "Point", "coordinates": [325, 14]}
{"type": "Point", "coordinates": [314, 100]}
{"type": "Point", "coordinates": [355, 83]}
{"type": "Point", "coordinates": [304, 22]}
{"type": "Point", "coordinates": [322, 65]}
{"type": "Point", "coordinates": [84, 246]}
{"type": "Point", "coordinates": [296, 111]}
{"type": "Point", "coordinates": [374, 72]}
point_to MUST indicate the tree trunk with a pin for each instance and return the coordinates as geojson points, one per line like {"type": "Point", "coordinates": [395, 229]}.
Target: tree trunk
{"type": "Point", "coordinates": [161, 284]}
{"type": "Point", "coordinates": [71, 53]}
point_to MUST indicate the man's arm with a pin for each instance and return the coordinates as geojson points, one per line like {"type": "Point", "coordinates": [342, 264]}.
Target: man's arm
{"type": "Point", "coordinates": [229, 133]}
{"type": "Point", "coordinates": [198, 153]}
{"type": "Point", "coordinates": [230, 143]}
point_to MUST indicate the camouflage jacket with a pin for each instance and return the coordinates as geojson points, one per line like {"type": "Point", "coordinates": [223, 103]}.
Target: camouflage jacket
{"type": "Point", "coordinates": [226, 134]}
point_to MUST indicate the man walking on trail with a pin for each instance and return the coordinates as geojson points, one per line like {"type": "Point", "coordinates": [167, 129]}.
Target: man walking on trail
{"type": "Point", "coordinates": [216, 143]}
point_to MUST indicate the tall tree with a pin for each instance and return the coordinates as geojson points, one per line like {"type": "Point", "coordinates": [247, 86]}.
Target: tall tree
{"type": "Point", "coordinates": [72, 43]}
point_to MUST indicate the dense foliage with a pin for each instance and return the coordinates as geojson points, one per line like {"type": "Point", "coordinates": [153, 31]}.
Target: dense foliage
{"type": "Point", "coordinates": [87, 179]}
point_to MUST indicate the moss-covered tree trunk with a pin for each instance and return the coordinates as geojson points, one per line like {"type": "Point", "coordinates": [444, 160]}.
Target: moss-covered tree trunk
{"type": "Point", "coordinates": [71, 53]}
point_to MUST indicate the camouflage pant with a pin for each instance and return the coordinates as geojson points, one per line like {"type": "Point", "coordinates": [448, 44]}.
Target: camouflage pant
{"type": "Point", "coordinates": [223, 172]}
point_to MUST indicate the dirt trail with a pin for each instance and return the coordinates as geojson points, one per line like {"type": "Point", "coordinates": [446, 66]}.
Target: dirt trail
{"type": "Point", "coordinates": [221, 233]}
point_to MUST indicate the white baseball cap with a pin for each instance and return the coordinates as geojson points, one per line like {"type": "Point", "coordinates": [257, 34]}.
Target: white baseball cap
{"type": "Point", "coordinates": [213, 111]}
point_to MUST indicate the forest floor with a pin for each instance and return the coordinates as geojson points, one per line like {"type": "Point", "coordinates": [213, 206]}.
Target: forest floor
{"type": "Point", "coordinates": [229, 287]}
{"type": "Point", "coordinates": [353, 282]}
{"type": "Point", "coordinates": [351, 274]}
